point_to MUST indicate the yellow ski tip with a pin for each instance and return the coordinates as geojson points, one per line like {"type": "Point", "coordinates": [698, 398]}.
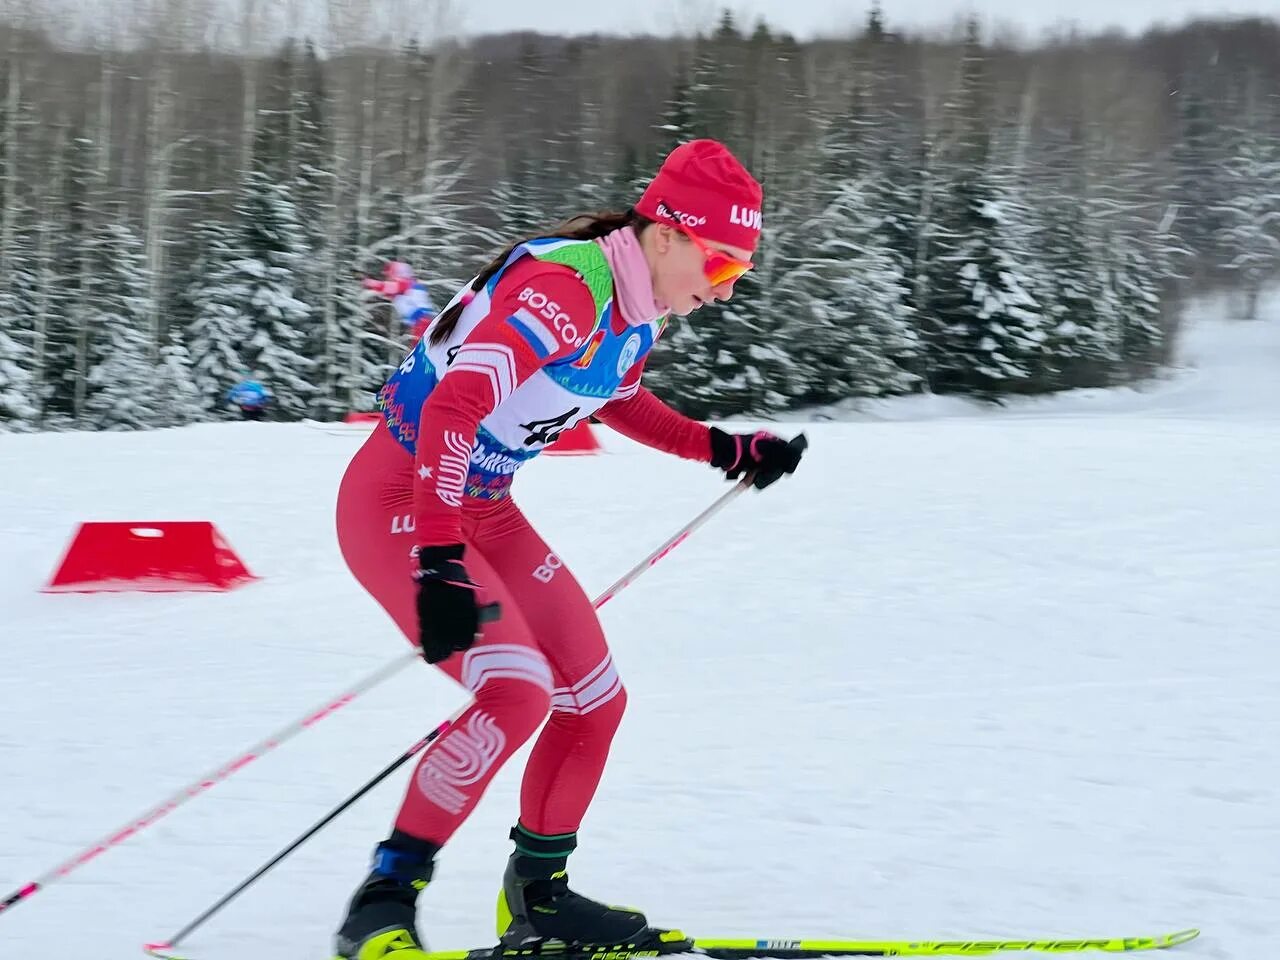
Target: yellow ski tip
{"type": "Point", "coordinates": [1182, 936]}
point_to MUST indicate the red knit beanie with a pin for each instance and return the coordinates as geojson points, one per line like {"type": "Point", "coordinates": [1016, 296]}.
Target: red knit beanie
{"type": "Point", "coordinates": [702, 185]}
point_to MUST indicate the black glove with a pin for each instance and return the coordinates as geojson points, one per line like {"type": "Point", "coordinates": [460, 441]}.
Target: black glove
{"type": "Point", "coordinates": [763, 454]}
{"type": "Point", "coordinates": [448, 616]}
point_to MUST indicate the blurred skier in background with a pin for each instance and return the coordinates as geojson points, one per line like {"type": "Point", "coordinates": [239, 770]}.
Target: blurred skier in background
{"type": "Point", "coordinates": [408, 295]}
{"type": "Point", "coordinates": [251, 397]}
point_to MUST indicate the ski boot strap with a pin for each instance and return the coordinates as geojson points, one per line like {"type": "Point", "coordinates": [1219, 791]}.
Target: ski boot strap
{"type": "Point", "coordinates": [405, 859]}
{"type": "Point", "coordinates": [541, 856]}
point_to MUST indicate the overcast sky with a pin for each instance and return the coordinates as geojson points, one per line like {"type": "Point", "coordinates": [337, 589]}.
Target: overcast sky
{"type": "Point", "coordinates": [116, 22]}
{"type": "Point", "coordinates": [808, 17]}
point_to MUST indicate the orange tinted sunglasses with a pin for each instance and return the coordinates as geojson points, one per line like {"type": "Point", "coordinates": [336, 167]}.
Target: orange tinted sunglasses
{"type": "Point", "coordinates": [719, 266]}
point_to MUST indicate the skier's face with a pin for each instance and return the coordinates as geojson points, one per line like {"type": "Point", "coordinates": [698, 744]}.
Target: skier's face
{"type": "Point", "coordinates": [689, 272]}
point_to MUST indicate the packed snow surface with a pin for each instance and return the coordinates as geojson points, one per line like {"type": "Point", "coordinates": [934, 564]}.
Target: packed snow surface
{"type": "Point", "coordinates": [969, 673]}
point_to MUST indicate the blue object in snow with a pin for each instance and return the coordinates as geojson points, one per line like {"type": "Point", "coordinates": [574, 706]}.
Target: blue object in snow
{"type": "Point", "coordinates": [249, 394]}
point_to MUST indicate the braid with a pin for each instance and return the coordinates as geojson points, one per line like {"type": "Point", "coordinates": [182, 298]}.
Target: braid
{"type": "Point", "coordinates": [584, 226]}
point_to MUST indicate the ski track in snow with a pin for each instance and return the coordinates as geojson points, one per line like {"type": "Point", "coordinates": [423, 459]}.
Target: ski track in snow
{"type": "Point", "coordinates": [965, 675]}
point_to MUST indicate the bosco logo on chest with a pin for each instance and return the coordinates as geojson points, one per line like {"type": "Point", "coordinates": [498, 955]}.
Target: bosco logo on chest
{"type": "Point", "coordinates": [543, 324]}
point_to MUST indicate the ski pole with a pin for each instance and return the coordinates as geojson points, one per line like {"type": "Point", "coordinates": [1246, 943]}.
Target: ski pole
{"type": "Point", "coordinates": [199, 786]}
{"type": "Point", "coordinates": [286, 733]}
{"type": "Point", "coordinates": [799, 442]}
{"type": "Point", "coordinates": [160, 949]}
{"type": "Point", "coordinates": [678, 538]}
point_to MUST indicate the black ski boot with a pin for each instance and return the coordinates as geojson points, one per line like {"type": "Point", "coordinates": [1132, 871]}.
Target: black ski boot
{"type": "Point", "coordinates": [536, 904]}
{"type": "Point", "coordinates": [380, 923]}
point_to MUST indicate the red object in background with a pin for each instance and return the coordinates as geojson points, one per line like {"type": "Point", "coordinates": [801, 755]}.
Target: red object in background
{"type": "Point", "coordinates": [576, 441]}
{"type": "Point", "coordinates": [363, 417]}
{"type": "Point", "coordinates": [163, 556]}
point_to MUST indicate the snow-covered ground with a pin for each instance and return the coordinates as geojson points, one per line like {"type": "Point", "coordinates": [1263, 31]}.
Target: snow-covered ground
{"type": "Point", "coordinates": [966, 674]}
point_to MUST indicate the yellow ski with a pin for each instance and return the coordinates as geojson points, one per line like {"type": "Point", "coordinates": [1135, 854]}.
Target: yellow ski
{"type": "Point", "coordinates": [781, 949]}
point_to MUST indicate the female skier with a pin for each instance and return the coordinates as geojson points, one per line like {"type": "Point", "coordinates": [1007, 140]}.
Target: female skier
{"type": "Point", "coordinates": [554, 330]}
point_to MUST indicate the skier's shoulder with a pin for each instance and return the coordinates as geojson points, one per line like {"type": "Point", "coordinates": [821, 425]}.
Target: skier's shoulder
{"type": "Point", "coordinates": [548, 305]}
{"type": "Point", "coordinates": [540, 286]}
{"type": "Point", "coordinates": [531, 274]}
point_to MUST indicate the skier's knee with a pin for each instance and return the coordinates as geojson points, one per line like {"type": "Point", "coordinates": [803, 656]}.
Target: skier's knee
{"type": "Point", "coordinates": [611, 712]}
{"type": "Point", "coordinates": [601, 716]}
{"type": "Point", "coordinates": [511, 682]}
{"type": "Point", "coordinates": [520, 705]}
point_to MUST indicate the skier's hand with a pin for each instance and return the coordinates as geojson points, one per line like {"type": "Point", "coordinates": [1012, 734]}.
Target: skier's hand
{"type": "Point", "coordinates": [763, 454]}
{"type": "Point", "coordinates": [449, 618]}
{"type": "Point", "coordinates": [397, 279]}
{"type": "Point", "coordinates": [388, 288]}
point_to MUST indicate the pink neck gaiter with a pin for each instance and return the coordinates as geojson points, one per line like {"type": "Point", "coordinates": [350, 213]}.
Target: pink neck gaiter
{"type": "Point", "coordinates": [632, 282]}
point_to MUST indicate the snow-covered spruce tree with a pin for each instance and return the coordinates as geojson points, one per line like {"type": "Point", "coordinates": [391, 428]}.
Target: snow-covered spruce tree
{"type": "Point", "coordinates": [677, 368]}
{"type": "Point", "coordinates": [1145, 261]}
{"type": "Point", "coordinates": [271, 269]}
{"type": "Point", "coordinates": [587, 146]}
{"type": "Point", "coordinates": [18, 255]}
{"type": "Point", "coordinates": [513, 198]}
{"type": "Point", "coordinates": [121, 373]}
{"type": "Point", "coordinates": [728, 360]}
{"type": "Point", "coordinates": [326, 277]}
{"type": "Point", "coordinates": [17, 407]}
{"type": "Point", "coordinates": [718, 83]}
{"type": "Point", "coordinates": [1198, 154]}
{"type": "Point", "coordinates": [66, 273]}
{"type": "Point", "coordinates": [752, 370]}
{"type": "Point", "coordinates": [216, 297]}
{"type": "Point", "coordinates": [984, 329]}
{"type": "Point", "coordinates": [1082, 346]}
{"type": "Point", "coordinates": [992, 337]}
{"type": "Point", "coordinates": [1138, 277]}
{"type": "Point", "coordinates": [1248, 218]}
{"type": "Point", "coordinates": [177, 401]}
{"type": "Point", "coordinates": [18, 281]}
{"type": "Point", "coordinates": [844, 293]}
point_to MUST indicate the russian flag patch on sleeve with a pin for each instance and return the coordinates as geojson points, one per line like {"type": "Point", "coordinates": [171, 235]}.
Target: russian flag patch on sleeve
{"type": "Point", "coordinates": [536, 332]}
